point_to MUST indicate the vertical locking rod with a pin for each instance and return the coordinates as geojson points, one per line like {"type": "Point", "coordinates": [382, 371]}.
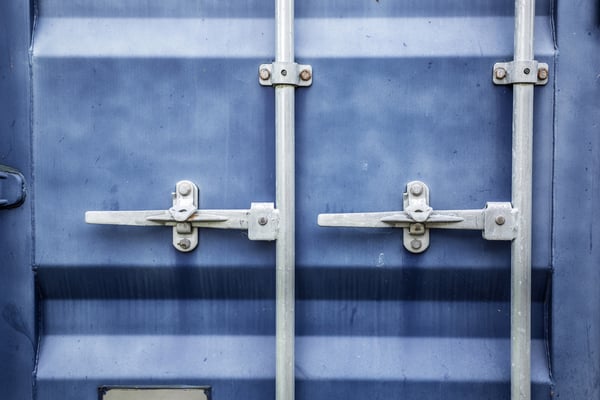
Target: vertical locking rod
{"type": "Point", "coordinates": [521, 199]}
{"type": "Point", "coordinates": [285, 203]}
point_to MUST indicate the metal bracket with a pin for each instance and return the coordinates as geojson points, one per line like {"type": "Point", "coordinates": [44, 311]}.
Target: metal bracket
{"type": "Point", "coordinates": [496, 220]}
{"type": "Point", "coordinates": [282, 73]}
{"type": "Point", "coordinates": [12, 187]}
{"type": "Point", "coordinates": [509, 73]}
{"type": "Point", "coordinates": [261, 220]}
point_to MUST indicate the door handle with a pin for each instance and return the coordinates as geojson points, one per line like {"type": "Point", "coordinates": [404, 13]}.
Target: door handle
{"type": "Point", "coordinates": [261, 220]}
{"type": "Point", "coordinates": [496, 220]}
{"type": "Point", "coordinates": [12, 187]}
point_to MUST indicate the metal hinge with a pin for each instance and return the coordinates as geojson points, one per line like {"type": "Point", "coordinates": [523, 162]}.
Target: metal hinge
{"type": "Point", "coordinates": [12, 187]}
{"type": "Point", "coordinates": [261, 220]}
{"type": "Point", "coordinates": [496, 220]}
{"type": "Point", "coordinates": [283, 73]}
{"type": "Point", "coordinates": [509, 73]}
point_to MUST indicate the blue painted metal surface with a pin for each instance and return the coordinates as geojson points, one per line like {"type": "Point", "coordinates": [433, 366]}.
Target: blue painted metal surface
{"type": "Point", "coordinates": [575, 324]}
{"type": "Point", "coordinates": [128, 98]}
{"type": "Point", "coordinates": [17, 313]}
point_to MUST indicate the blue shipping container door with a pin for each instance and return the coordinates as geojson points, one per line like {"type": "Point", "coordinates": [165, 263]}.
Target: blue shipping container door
{"type": "Point", "coordinates": [128, 100]}
{"type": "Point", "coordinates": [117, 101]}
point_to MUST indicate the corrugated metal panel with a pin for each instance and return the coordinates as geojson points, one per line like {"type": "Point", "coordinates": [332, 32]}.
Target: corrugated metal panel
{"type": "Point", "coordinates": [130, 97]}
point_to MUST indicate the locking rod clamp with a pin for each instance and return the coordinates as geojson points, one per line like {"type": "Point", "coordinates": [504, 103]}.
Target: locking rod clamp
{"type": "Point", "coordinates": [285, 73]}
{"type": "Point", "coordinates": [509, 73]}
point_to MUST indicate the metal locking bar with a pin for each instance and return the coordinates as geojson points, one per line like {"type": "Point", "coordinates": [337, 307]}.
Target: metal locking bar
{"type": "Point", "coordinates": [261, 220]}
{"type": "Point", "coordinates": [496, 220]}
{"type": "Point", "coordinates": [522, 185]}
{"type": "Point", "coordinates": [285, 75]}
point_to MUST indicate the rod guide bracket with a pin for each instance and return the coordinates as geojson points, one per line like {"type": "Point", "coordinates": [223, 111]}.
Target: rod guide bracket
{"type": "Point", "coordinates": [285, 73]}
{"type": "Point", "coordinates": [509, 73]}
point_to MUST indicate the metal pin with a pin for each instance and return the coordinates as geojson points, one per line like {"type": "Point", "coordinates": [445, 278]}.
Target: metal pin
{"type": "Point", "coordinates": [416, 189]}
{"type": "Point", "coordinates": [416, 244]}
{"type": "Point", "coordinates": [184, 244]}
{"type": "Point", "coordinates": [185, 189]}
{"type": "Point", "coordinates": [264, 74]}
{"type": "Point", "coordinates": [305, 75]}
{"type": "Point", "coordinates": [500, 73]}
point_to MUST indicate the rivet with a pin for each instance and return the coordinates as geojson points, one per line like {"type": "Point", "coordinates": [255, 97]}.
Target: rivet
{"type": "Point", "coordinates": [263, 221]}
{"type": "Point", "coordinates": [416, 244]}
{"type": "Point", "coordinates": [185, 189]}
{"type": "Point", "coordinates": [264, 74]}
{"type": "Point", "coordinates": [184, 244]}
{"type": "Point", "coordinates": [542, 74]}
{"type": "Point", "coordinates": [526, 71]}
{"type": "Point", "coordinates": [500, 220]}
{"type": "Point", "coordinates": [416, 189]}
{"type": "Point", "coordinates": [500, 73]}
{"type": "Point", "coordinates": [305, 75]}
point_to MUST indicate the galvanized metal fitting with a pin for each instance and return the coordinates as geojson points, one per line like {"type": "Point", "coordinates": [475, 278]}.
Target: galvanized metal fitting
{"type": "Point", "coordinates": [509, 73]}
{"type": "Point", "coordinates": [280, 73]}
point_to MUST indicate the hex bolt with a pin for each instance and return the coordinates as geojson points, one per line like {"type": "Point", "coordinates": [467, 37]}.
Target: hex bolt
{"type": "Point", "coordinates": [185, 189]}
{"type": "Point", "coordinates": [500, 73]}
{"type": "Point", "coordinates": [526, 71]}
{"type": "Point", "coordinates": [416, 244]}
{"type": "Point", "coordinates": [416, 189]}
{"type": "Point", "coordinates": [542, 74]}
{"type": "Point", "coordinates": [263, 221]}
{"type": "Point", "coordinates": [264, 74]}
{"type": "Point", "coordinates": [283, 72]}
{"type": "Point", "coordinates": [305, 75]}
{"type": "Point", "coordinates": [500, 220]}
{"type": "Point", "coordinates": [184, 244]}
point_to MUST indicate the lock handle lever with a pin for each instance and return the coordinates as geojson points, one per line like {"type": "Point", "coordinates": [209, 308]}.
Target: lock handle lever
{"type": "Point", "coordinates": [261, 220]}
{"type": "Point", "coordinates": [496, 220]}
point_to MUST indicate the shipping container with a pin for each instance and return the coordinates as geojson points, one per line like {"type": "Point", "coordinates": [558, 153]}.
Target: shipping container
{"type": "Point", "coordinates": [344, 199]}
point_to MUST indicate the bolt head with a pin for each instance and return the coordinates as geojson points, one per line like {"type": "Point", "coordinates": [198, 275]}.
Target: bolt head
{"type": "Point", "coordinates": [263, 221]}
{"type": "Point", "coordinates": [184, 244]}
{"type": "Point", "coordinates": [416, 189]}
{"type": "Point", "coordinates": [500, 220]}
{"type": "Point", "coordinates": [526, 71]}
{"type": "Point", "coordinates": [542, 74]}
{"type": "Point", "coordinates": [500, 73]}
{"type": "Point", "coordinates": [416, 244]}
{"type": "Point", "coordinates": [185, 189]}
{"type": "Point", "coordinates": [264, 74]}
{"type": "Point", "coordinates": [305, 75]}
{"type": "Point", "coordinates": [284, 72]}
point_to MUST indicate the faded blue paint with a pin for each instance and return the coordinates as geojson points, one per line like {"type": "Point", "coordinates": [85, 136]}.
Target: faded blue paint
{"type": "Point", "coordinates": [18, 338]}
{"type": "Point", "coordinates": [576, 255]}
{"type": "Point", "coordinates": [128, 98]}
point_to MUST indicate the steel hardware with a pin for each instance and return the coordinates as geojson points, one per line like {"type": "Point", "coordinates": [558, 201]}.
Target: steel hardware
{"type": "Point", "coordinates": [154, 393]}
{"type": "Point", "coordinates": [509, 73]}
{"type": "Point", "coordinates": [285, 73]}
{"type": "Point", "coordinates": [186, 218]}
{"type": "Point", "coordinates": [418, 218]}
{"type": "Point", "coordinates": [12, 187]}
